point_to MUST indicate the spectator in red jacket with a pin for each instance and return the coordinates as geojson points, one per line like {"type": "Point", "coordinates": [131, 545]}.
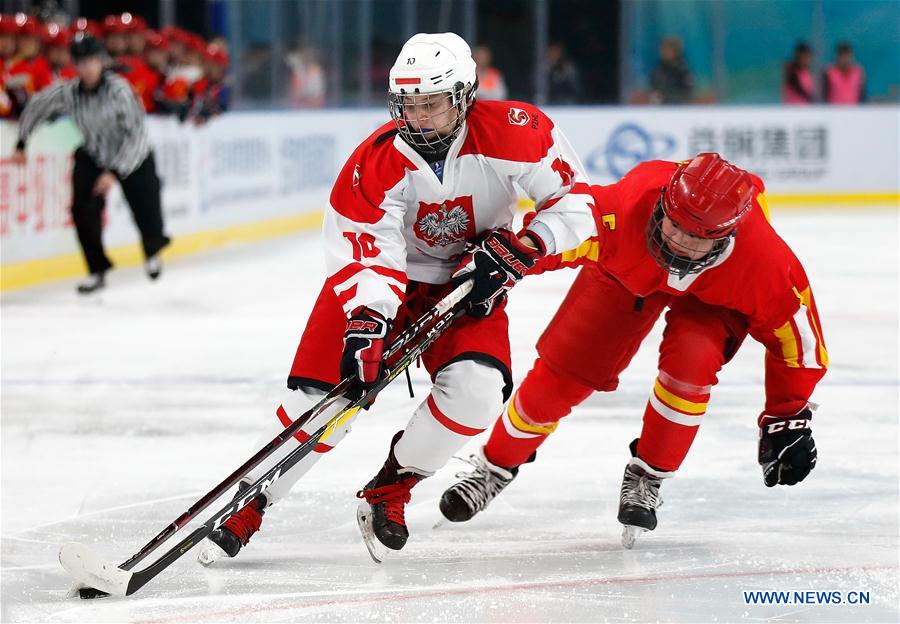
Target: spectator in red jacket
{"type": "Point", "coordinates": [28, 72]}
{"type": "Point", "coordinates": [56, 49]}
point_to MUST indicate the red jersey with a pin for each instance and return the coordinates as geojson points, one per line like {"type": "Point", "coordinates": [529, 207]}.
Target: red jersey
{"type": "Point", "coordinates": [30, 75]}
{"type": "Point", "coordinates": [757, 275]}
{"type": "Point", "coordinates": [142, 78]}
{"type": "Point", "coordinates": [67, 72]}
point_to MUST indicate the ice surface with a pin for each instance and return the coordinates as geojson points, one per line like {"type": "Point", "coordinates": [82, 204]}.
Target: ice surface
{"type": "Point", "coordinates": [119, 411]}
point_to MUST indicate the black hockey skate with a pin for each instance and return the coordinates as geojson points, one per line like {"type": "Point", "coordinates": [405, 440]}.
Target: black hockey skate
{"type": "Point", "coordinates": [477, 488]}
{"type": "Point", "coordinates": [639, 497]}
{"type": "Point", "coordinates": [381, 513]}
{"type": "Point", "coordinates": [228, 539]}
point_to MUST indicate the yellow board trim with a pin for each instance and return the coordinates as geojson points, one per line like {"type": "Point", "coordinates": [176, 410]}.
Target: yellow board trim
{"type": "Point", "coordinates": [672, 400]}
{"type": "Point", "coordinates": [521, 425]}
{"type": "Point", "coordinates": [34, 272]}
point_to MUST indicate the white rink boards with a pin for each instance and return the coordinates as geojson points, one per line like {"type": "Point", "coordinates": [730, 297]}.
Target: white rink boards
{"type": "Point", "coordinates": [119, 411]}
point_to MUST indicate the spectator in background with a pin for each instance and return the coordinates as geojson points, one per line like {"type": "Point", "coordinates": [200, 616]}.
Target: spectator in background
{"type": "Point", "coordinates": [563, 79]}
{"type": "Point", "coordinates": [211, 94]}
{"type": "Point", "coordinates": [56, 49]}
{"type": "Point", "coordinates": [671, 81]}
{"type": "Point", "coordinates": [7, 52]}
{"type": "Point", "coordinates": [175, 38]}
{"type": "Point", "coordinates": [845, 80]}
{"type": "Point", "coordinates": [28, 72]}
{"type": "Point", "coordinates": [137, 36]}
{"type": "Point", "coordinates": [307, 88]}
{"type": "Point", "coordinates": [491, 85]}
{"type": "Point", "coordinates": [797, 86]}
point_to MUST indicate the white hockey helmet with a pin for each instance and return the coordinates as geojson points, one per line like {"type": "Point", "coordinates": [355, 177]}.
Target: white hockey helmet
{"type": "Point", "coordinates": [432, 71]}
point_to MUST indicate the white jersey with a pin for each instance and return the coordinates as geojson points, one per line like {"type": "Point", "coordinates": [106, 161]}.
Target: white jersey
{"type": "Point", "coordinates": [393, 219]}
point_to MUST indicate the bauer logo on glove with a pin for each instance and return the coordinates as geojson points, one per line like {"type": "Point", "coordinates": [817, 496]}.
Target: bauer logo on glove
{"type": "Point", "coordinates": [495, 264]}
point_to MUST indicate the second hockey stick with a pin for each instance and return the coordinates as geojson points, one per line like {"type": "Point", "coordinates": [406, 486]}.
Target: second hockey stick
{"type": "Point", "coordinates": [102, 578]}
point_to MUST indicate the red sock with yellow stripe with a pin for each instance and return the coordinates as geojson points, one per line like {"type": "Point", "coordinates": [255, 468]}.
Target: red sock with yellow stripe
{"type": "Point", "coordinates": [671, 421]}
{"type": "Point", "coordinates": [532, 414]}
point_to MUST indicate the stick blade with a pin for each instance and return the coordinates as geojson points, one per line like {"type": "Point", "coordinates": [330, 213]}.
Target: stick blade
{"type": "Point", "coordinates": [91, 572]}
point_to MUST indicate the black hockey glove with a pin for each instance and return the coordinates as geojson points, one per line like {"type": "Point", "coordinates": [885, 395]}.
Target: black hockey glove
{"type": "Point", "coordinates": [496, 263]}
{"type": "Point", "coordinates": [787, 451]}
{"type": "Point", "coordinates": [364, 341]}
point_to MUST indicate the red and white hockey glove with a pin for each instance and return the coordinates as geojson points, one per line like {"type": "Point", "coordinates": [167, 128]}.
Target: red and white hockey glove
{"type": "Point", "coordinates": [496, 263]}
{"type": "Point", "coordinates": [787, 451]}
{"type": "Point", "coordinates": [364, 340]}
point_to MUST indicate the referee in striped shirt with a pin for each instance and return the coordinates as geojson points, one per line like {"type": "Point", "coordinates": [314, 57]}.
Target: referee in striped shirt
{"type": "Point", "coordinates": [111, 118]}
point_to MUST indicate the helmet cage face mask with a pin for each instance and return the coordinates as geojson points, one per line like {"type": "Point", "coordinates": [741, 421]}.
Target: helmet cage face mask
{"type": "Point", "coordinates": [664, 253]}
{"type": "Point", "coordinates": [415, 115]}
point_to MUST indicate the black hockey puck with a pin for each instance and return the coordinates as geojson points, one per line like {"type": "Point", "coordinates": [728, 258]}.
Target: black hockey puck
{"type": "Point", "coordinates": [86, 593]}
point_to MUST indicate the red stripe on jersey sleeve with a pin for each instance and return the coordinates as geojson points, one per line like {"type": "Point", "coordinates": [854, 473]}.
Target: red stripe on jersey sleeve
{"type": "Point", "coordinates": [373, 169]}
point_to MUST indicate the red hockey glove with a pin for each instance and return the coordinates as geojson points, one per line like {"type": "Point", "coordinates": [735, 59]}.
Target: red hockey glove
{"type": "Point", "coordinates": [787, 451]}
{"type": "Point", "coordinates": [496, 263]}
{"type": "Point", "coordinates": [364, 340]}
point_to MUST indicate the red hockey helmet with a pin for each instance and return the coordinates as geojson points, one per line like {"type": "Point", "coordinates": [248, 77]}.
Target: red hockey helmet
{"type": "Point", "coordinates": [708, 196]}
{"type": "Point", "coordinates": [155, 40]}
{"type": "Point", "coordinates": [85, 25]}
{"type": "Point", "coordinates": [56, 35]}
{"type": "Point", "coordinates": [216, 54]}
{"type": "Point", "coordinates": [27, 26]}
{"type": "Point", "coordinates": [8, 24]}
{"type": "Point", "coordinates": [113, 24]}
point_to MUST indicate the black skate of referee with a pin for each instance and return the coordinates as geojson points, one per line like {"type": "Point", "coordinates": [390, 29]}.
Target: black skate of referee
{"type": "Point", "coordinates": [111, 118]}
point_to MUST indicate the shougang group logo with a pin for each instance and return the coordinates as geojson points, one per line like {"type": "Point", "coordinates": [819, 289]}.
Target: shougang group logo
{"type": "Point", "coordinates": [628, 145]}
{"type": "Point", "coordinates": [517, 116]}
{"type": "Point", "coordinates": [443, 224]}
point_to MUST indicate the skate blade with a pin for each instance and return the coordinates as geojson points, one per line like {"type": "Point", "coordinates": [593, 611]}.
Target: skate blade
{"type": "Point", "coordinates": [210, 552]}
{"type": "Point", "coordinates": [630, 535]}
{"type": "Point", "coordinates": [377, 550]}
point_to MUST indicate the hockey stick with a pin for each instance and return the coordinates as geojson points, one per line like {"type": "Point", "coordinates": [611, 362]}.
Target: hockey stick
{"type": "Point", "coordinates": [102, 578]}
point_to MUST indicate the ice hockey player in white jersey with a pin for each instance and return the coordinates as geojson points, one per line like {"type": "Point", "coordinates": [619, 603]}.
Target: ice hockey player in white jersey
{"type": "Point", "coordinates": [441, 175]}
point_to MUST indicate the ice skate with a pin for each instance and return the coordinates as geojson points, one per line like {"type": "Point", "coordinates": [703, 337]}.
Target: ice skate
{"type": "Point", "coordinates": [93, 283]}
{"type": "Point", "coordinates": [460, 502]}
{"type": "Point", "coordinates": [639, 498]}
{"type": "Point", "coordinates": [381, 513]}
{"type": "Point", "coordinates": [228, 539]}
{"type": "Point", "coordinates": [153, 266]}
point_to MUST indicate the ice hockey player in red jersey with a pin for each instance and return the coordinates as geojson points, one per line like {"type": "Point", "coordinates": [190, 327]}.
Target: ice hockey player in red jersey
{"type": "Point", "coordinates": [407, 203]}
{"type": "Point", "coordinates": [693, 236]}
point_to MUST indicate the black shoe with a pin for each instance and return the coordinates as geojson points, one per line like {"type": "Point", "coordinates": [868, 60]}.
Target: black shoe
{"type": "Point", "coordinates": [94, 282]}
{"type": "Point", "coordinates": [383, 514]}
{"type": "Point", "coordinates": [153, 266]}
{"type": "Point", "coordinates": [461, 501]}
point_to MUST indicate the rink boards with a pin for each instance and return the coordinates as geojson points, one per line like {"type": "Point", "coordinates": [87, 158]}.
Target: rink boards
{"type": "Point", "coordinates": [251, 176]}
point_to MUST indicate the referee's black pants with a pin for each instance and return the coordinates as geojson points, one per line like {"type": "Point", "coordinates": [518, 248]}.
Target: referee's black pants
{"type": "Point", "coordinates": [142, 192]}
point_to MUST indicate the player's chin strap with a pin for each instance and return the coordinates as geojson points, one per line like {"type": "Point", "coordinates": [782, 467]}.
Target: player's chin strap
{"type": "Point", "coordinates": [95, 577]}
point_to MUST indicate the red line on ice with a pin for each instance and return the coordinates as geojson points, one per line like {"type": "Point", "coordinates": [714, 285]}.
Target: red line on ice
{"type": "Point", "coordinates": [436, 593]}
